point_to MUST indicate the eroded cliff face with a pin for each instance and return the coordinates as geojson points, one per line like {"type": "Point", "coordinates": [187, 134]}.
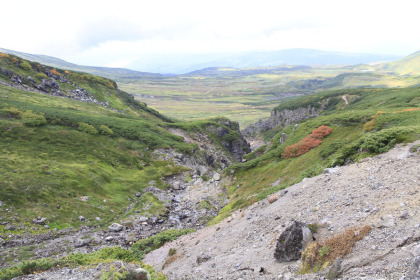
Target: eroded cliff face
{"type": "Point", "coordinates": [284, 117]}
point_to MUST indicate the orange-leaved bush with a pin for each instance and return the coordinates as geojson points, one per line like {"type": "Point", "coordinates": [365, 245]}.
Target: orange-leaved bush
{"type": "Point", "coordinates": [308, 143]}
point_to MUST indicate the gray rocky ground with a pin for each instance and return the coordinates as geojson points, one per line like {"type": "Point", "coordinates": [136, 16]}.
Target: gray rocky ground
{"type": "Point", "coordinates": [383, 192]}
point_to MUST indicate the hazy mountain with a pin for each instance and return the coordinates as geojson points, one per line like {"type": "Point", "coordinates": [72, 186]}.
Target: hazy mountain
{"type": "Point", "coordinates": [179, 64]}
{"type": "Point", "coordinates": [148, 65]}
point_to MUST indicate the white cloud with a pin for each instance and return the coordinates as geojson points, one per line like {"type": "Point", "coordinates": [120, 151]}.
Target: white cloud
{"type": "Point", "coordinates": [114, 33]}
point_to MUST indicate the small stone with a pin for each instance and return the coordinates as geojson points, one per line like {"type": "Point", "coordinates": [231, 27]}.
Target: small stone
{"type": "Point", "coordinates": [2, 241]}
{"type": "Point", "coordinates": [387, 221]}
{"type": "Point", "coordinates": [109, 238]}
{"type": "Point", "coordinates": [47, 227]}
{"type": "Point", "coordinates": [283, 193]}
{"type": "Point", "coordinates": [374, 247]}
{"type": "Point", "coordinates": [82, 219]}
{"type": "Point", "coordinates": [81, 243]}
{"type": "Point", "coordinates": [272, 198]}
{"type": "Point", "coordinates": [1, 203]}
{"type": "Point", "coordinates": [137, 195]}
{"type": "Point", "coordinates": [115, 227]}
{"type": "Point", "coordinates": [202, 258]}
{"type": "Point", "coordinates": [404, 214]}
{"type": "Point", "coordinates": [84, 198]}
{"type": "Point", "coordinates": [98, 219]}
{"type": "Point", "coordinates": [216, 177]}
{"type": "Point", "coordinates": [140, 274]}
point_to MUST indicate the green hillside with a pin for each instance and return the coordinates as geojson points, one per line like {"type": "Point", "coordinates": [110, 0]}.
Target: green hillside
{"type": "Point", "coordinates": [57, 149]}
{"type": "Point", "coordinates": [371, 123]}
{"type": "Point", "coordinates": [409, 65]}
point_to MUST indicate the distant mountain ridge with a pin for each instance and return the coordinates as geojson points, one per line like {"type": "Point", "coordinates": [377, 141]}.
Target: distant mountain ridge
{"type": "Point", "coordinates": [111, 73]}
{"type": "Point", "coordinates": [148, 66]}
{"type": "Point", "coordinates": [181, 64]}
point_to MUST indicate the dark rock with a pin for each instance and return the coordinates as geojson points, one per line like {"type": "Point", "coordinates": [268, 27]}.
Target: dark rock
{"type": "Point", "coordinates": [138, 194]}
{"type": "Point", "coordinates": [47, 84]}
{"type": "Point", "coordinates": [10, 227]}
{"type": "Point", "coordinates": [182, 216]}
{"type": "Point", "coordinates": [7, 73]}
{"type": "Point", "coordinates": [17, 79]}
{"type": "Point", "coordinates": [202, 258]}
{"type": "Point", "coordinates": [30, 79]}
{"type": "Point", "coordinates": [292, 242]}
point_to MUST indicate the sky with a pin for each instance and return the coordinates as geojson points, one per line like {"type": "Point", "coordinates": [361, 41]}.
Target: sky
{"type": "Point", "coordinates": [116, 33]}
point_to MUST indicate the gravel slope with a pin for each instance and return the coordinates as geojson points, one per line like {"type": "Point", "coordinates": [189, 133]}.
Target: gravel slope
{"type": "Point", "coordinates": [383, 191]}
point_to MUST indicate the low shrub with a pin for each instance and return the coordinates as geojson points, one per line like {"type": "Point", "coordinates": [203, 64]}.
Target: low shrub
{"type": "Point", "coordinates": [31, 119]}
{"type": "Point", "coordinates": [103, 129]}
{"type": "Point", "coordinates": [144, 246]}
{"type": "Point", "coordinates": [40, 76]}
{"type": "Point", "coordinates": [87, 128]}
{"type": "Point", "coordinates": [319, 254]}
{"type": "Point", "coordinates": [25, 66]}
{"type": "Point", "coordinates": [75, 260]}
{"type": "Point", "coordinates": [308, 143]}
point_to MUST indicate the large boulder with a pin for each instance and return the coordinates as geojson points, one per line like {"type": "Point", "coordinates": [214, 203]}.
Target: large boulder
{"type": "Point", "coordinates": [292, 242]}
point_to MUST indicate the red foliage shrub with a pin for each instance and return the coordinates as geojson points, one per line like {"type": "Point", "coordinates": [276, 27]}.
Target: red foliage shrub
{"type": "Point", "coordinates": [308, 143]}
{"type": "Point", "coordinates": [55, 72]}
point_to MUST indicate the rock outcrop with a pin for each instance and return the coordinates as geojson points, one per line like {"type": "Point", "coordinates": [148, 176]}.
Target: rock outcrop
{"type": "Point", "coordinates": [285, 117]}
{"type": "Point", "coordinates": [292, 242]}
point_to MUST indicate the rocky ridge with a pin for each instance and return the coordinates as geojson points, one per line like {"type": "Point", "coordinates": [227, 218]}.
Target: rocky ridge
{"type": "Point", "coordinates": [382, 192]}
{"type": "Point", "coordinates": [50, 86]}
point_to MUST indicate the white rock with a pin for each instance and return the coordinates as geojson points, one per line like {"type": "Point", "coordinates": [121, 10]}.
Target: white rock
{"type": "Point", "coordinates": [115, 227]}
{"type": "Point", "coordinates": [216, 177]}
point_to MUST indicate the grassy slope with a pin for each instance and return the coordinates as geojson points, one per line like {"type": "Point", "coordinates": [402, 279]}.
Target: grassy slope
{"type": "Point", "coordinates": [46, 169]}
{"type": "Point", "coordinates": [409, 65]}
{"type": "Point", "coordinates": [247, 95]}
{"type": "Point", "coordinates": [354, 136]}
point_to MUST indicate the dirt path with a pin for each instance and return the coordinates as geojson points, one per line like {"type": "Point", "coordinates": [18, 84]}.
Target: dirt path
{"type": "Point", "coordinates": [345, 99]}
{"type": "Point", "coordinates": [383, 191]}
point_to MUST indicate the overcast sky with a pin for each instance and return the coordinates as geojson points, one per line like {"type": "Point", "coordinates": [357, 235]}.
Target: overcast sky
{"type": "Point", "coordinates": [115, 33]}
